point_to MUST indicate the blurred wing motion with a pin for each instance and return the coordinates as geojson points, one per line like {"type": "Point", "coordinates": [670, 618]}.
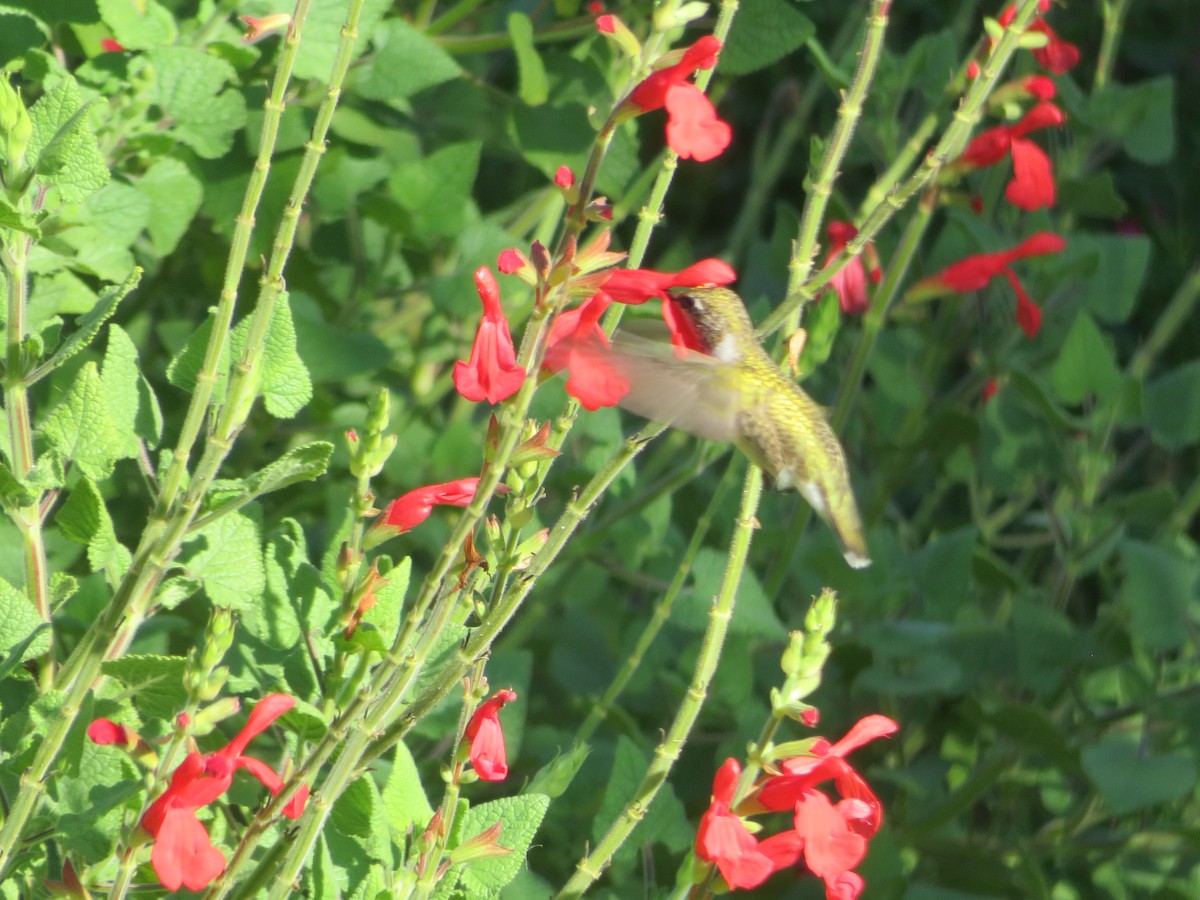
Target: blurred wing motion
{"type": "Point", "coordinates": [694, 393]}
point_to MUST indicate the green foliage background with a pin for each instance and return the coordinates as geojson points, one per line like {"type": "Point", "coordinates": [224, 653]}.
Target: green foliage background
{"type": "Point", "coordinates": [1030, 618]}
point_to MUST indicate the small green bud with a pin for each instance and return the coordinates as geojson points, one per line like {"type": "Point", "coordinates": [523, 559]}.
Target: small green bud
{"type": "Point", "coordinates": [207, 719]}
{"type": "Point", "coordinates": [15, 125]}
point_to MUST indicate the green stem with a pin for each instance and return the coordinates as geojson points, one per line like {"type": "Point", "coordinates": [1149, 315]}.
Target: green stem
{"type": "Point", "coordinates": [804, 251]}
{"type": "Point", "coordinates": [670, 748]}
{"type": "Point", "coordinates": [1114, 19]}
{"type": "Point", "coordinates": [662, 612]}
{"type": "Point", "coordinates": [948, 147]}
{"type": "Point", "coordinates": [1179, 309]}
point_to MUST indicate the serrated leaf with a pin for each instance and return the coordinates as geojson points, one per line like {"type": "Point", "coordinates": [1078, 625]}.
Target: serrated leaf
{"type": "Point", "coordinates": [92, 799]}
{"type": "Point", "coordinates": [59, 293]}
{"type": "Point", "coordinates": [556, 776]}
{"type": "Point", "coordinates": [176, 589]}
{"type": "Point", "coordinates": [62, 147]}
{"type": "Point", "coordinates": [405, 61]}
{"type": "Point", "coordinates": [404, 802]}
{"type": "Point", "coordinates": [296, 603]}
{"type": "Point", "coordinates": [175, 195]}
{"type": "Point", "coordinates": [19, 33]}
{"type": "Point", "coordinates": [149, 422]}
{"type": "Point", "coordinates": [385, 615]}
{"type": "Point", "coordinates": [84, 519]}
{"type": "Point", "coordinates": [138, 26]}
{"type": "Point", "coordinates": [88, 325]}
{"type": "Point", "coordinates": [227, 556]}
{"type": "Point", "coordinates": [305, 463]}
{"type": "Point", "coordinates": [119, 376]}
{"type": "Point", "coordinates": [285, 385]}
{"type": "Point", "coordinates": [520, 818]}
{"type": "Point", "coordinates": [153, 683]}
{"type": "Point", "coordinates": [191, 87]}
{"type": "Point", "coordinates": [80, 427]}
{"type": "Point", "coordinates": [11, 217]}
{"type": "Point", "coordinates": [23, 634]}
{"type": "Point", "coordinates": [13, 494]}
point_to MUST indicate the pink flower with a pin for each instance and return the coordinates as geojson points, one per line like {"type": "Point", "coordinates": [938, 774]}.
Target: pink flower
{"type": "Point", "coordinates": [259, 28]}
{"type": "Point", "coordinates": [183, 854]}
{"type": "Point", "coordinates": [1032, 186]}
{"type": "Point", "coordinates": [492, 372]}
{"type": "Point", "coordinates": [487, 753]}
{"type": "Point", "coordinates": [413, 508]}
{"type": "Point", "coordinates": [850, 284]}
{"type": "Point", "coordinates": [511, 261]}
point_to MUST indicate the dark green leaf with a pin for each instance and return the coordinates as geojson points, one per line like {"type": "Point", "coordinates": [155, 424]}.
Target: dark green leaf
{"type": "Point", "coordinates": [1172, 404]}
{"type": "Point", "coordinates": [764, 32]}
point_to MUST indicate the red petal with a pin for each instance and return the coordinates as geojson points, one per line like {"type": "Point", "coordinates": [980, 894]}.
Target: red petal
{"type": "Point", "coordinates": [865, 730]}
{"type": "Point", "coordinates": [1043, 115]}
{"type": "Point", "coordinates": [183, 854]}
{"type": "Point", "coordinates": [846, 886]}
{"type": "Point", "coordinates": [294, 808]}
{"type": "Point", "coordinates": [1032, 186]}
{"type": "Point", "coordinates": [488, 756]}
{"type": "Point", "coordinates": [105, 731]}
{"type": "Point", "coordinates": [693, 129]}
{"type": "Point", "coordinates": [724, 839]}
{"type": "Point", "coordinates": [725, 781]}
{"type": "Point", "coordinates": [706, 271]}
{"type": "Point", "coordinates": [489, 292]}
{"type": "Point", "coordinates": [988, 147]}
{"type": "Point", "coordinates": [830, 847]}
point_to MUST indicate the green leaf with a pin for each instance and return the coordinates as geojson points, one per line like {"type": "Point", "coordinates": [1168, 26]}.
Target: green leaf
{"type": "Point", "coordinates": [85, 520]}
{"type": "Point", "coordinates": [296, 603]}
{"type": "Point", "coordinates": [323, 30]}
{"type": "Point", "coordinates": [227, 556]}
{"type": "Point", "coordinates": [120, 378]}
{"type": "Point", "coordinates": [330, 353]}
{"type": "Point", "coordinates": [1160, 587]}
{"type": "Point", "coordinates": [532, 86]}
{"type": "Point", "coordinates": [404, 801]}
{"type": "Point", "coordinates": [753, 614]}
{"type": "Point", "coordinates": [88, 325]}
{"type": "Point", "coordinates": [1131, 778]}
{"type": "Point", "coordinates": [19, 33]}
{"type": "Point", "coordinates": [304, 463]}
{"type": "Point", "coordinates": [285, 385]}
{"type": "Point", "coordinates": [1140, 116]}
{"type": "Point", "coordinates": [14, 494]}
{"type": "Point", "coordinates": [1111, 290]}
{"type": "Point", "coordinates": [1093, 195]}
{"type": "Point", "coordinates": [556, 776]}
{"type": "Point", "coordinates": [764, 32]}
{"type": "Point", "coordinates": [63, 146]}
{"type": "Point", "coordinates": [22, 632]}
{"type": "Point", "coordinates": [359, 813]}
{"type": "Point", "coordinates": [191, 90]}
{"type": "Point", "coordinates": [1086, 365]}
{"type": "Point", "coordinates": [11, 217]}
{"type": "Point", "coordinates": [435, 191]}
{"type": "Point", "coordinates": [138, 26]}
{"type": "Point", "coordinates": [153, 683]}
{"type": "Point", "coordinates": [520, 818]}
{"type": "Point", "coordinates": [81, 429]}
{"type": "Point", "coordinates": [59, 293]}
{"type": "Point", "coordinates": [1172, 405]}
{"type": "Point", "coordinates": [385, 615]}
{"type": "Point", "coordinates": [405, 62]}
{"type": "Point", "coordinates": [175, 195]}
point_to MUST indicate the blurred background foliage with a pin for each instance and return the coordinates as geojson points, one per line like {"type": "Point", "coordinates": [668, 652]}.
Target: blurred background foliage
{"type": "Point", "coordinates": [1030, 618]}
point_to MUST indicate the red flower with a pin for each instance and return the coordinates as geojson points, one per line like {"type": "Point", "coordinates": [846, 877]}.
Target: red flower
{"type": "Point", "coordinates": [974, 273]}
{"type": "Point", "coordinates": [183, 854]}
{"type": "Point", "coordinates": [634, 286]}
{"type": "Point", "coordinates": [106, 731]}
{"type": "Point", "coordinates": [578, 344]}
{"type": "Point", "coordinates": [487, 753]}
{"type": "Point", "coordinates": [492, 372]}
{"type": "Point", "coordinates": [693, 129]}
{"type": "Point", "coordinates": [724, 839]}
{"type": "Point", "coordinates": [990, 387]}
{"type": "Point", "coordinates": [564, 177]}
{"type": "Point", "coordinates": [1032, 186]}
{"type": "Point", "coordinates": [258, 29]}
{"type": "Point", "coordinates": [111, 45]}
{"type": "Point", "coordinates": [1058, 56]}
{"type": "Point", "coordinates": [831, 838]}
{"type": "Point", "coordinates": [413, 508]}
{"type": "Point", "coordinates": [850, 284]}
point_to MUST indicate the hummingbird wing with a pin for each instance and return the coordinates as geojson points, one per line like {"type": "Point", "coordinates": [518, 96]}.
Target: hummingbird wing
{"type": "Point", "coordinates": [684, 389]}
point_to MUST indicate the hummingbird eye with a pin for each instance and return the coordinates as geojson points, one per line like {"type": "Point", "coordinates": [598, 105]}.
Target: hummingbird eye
{"type": "Point", "coordinates": [687, 301]}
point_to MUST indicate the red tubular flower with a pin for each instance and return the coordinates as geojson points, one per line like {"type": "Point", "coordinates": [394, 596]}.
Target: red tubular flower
{"type": "Point", "coordinates": [111, 45]}
{"type": "Point", "coordinates": [1058, 56]}
{"type": "Point", "coordinates": [183, 854]}
{"type": "Point", "coordinates": [578, 344]}
{"type": "Point", "coordinates": [634, 286]}
{"type": "Point", "coordinates": [974, 273]}
{"type": "Point", "coordinates": [693, 129]}
{"type": "Point", "coordinates": [564, 177]}
{"type": "Point", "coordinates": [488, 756]}
{"type": "Point", "coordinates": [724, 839]}
{"type": "Point", "coordinates": [106, 731]}
{"type": "Point", "coordinates": [1032, 186]}
{"type": "Point", "coordinates": [850, 284]}
{"type": "Point", "coordinates": [413, 508]}
{"type": "Point", "coordinates": [492, 372]}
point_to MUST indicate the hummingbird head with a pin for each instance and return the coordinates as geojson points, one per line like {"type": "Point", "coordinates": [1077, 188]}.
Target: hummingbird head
{"type": "Point", "coordinates": [720, 318]}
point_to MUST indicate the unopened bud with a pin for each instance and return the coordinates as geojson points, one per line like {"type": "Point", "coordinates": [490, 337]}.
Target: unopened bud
{"type": "Point", "coordinates": [207, 719]}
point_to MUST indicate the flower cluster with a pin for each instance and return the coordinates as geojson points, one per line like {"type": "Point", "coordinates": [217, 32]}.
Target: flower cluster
{"type": "Point", "coordinates": [1032, 186]}
{"type": "Point", "coordinates": [183, 854]}
{"type": "Point", "coordinates": [829, 838]}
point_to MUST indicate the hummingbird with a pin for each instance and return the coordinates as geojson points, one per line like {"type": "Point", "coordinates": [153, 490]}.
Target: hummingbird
{"type": "Point", "coordinates": [734, 391]}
